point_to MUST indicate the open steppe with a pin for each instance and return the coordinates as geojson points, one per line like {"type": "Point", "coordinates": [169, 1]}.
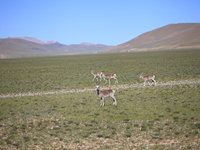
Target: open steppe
{"type": "Point", "coordinates": [51, 102]}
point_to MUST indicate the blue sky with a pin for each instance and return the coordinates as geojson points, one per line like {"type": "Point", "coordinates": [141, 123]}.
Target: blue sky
{"type": "Point", "coordinates": [109, 22]}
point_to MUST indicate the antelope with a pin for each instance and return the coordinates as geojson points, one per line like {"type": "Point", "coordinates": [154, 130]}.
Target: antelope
{"type": "Point", "coordinates": [105, 93]}
{"type": "Point", "coordinates": [109, 76]}
{"type": "Point", "coordinates": [96, 75]}
{"type": "Point", "coordinates": [147, 78]}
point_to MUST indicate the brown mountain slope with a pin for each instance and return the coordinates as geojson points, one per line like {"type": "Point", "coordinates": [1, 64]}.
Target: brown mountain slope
{"type": "Point", "coordinates": [13, 48]}
{"type": "Point", "coordinates": [173, 36]}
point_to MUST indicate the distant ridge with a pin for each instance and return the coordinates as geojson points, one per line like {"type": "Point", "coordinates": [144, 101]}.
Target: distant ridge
{"type": "Point", "coordinates": [169, 37]}
{"type": "Point", "coordinates": [36, 40]}
{"type": "Point", "coordinates": [16, 47]}
{"type": "Point", "coordinates": [172, 36]}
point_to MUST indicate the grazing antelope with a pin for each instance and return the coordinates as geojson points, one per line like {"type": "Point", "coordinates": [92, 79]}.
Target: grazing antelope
{"type": "Point", "coordinates": [105, 93]}
{"type": "Point", "coordinates": [147, 78]}
{"type": "Point", "coordinates": [96, 75]}
{"type": "Point", "coordinates": [109, 76]}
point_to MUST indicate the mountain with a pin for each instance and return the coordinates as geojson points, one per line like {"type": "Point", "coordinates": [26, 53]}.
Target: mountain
{"type": "Point", "coordinates": [35, 40]}
{"type": "Point", "coordinates": [172, 36]}
{"type": "Point", "coordinates": [86, 47]}
{"type": "Point", "coordinates": [16, 47]}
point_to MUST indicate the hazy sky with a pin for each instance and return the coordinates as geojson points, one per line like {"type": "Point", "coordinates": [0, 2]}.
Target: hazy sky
{"type": "Point", "coordinates": [110, 22]}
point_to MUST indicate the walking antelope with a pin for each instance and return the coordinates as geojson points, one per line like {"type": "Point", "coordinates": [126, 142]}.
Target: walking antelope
{"type": "Point", "coordinates": [105, 93]}
{"type": "Point", "coordinates": [147, 78]}
{"type": "Point", "coordinates": [109, 76]}
{"type": "Point", "coordinates": [96, 75]}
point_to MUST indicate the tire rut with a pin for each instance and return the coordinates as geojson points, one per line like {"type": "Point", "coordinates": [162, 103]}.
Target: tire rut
{"type": "Point", "coordinates": [89, 89]}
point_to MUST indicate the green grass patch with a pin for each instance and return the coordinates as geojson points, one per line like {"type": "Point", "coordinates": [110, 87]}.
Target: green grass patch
{"type": "Point", "coordinates": [140, 120]}
{"type": "Point", "coordinates": [73, 72]}
{"type": "Point", "coordinates": [157, 117]}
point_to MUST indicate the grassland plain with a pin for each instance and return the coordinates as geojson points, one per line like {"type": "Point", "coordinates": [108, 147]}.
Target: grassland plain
{"type": "Point", "coordinates": [158, 117]}
{"type": "Point", "coordinates": [72, 72]}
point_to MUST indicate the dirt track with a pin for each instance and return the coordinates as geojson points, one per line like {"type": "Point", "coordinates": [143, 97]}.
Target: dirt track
{"type": "Point", "coordinates": [88, 89]}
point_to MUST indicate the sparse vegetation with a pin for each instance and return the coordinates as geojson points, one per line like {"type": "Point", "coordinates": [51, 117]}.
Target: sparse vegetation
{"type": "Point", "coordinates": [158, 117]}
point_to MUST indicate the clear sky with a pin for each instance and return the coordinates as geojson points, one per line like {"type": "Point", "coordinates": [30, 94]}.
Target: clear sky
{"type": "Point", "coordinates": [109, 22]}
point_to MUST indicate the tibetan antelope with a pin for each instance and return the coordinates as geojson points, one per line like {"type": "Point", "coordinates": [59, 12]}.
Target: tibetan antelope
{"type": "Point", "coordinates": [96, 75]}
{"type": "Point", "coordinates": [105, 93]}
{"type": "Point", "coordinates": [147, 78]}
{"type": "Point", "coordinates": [109, 76]}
